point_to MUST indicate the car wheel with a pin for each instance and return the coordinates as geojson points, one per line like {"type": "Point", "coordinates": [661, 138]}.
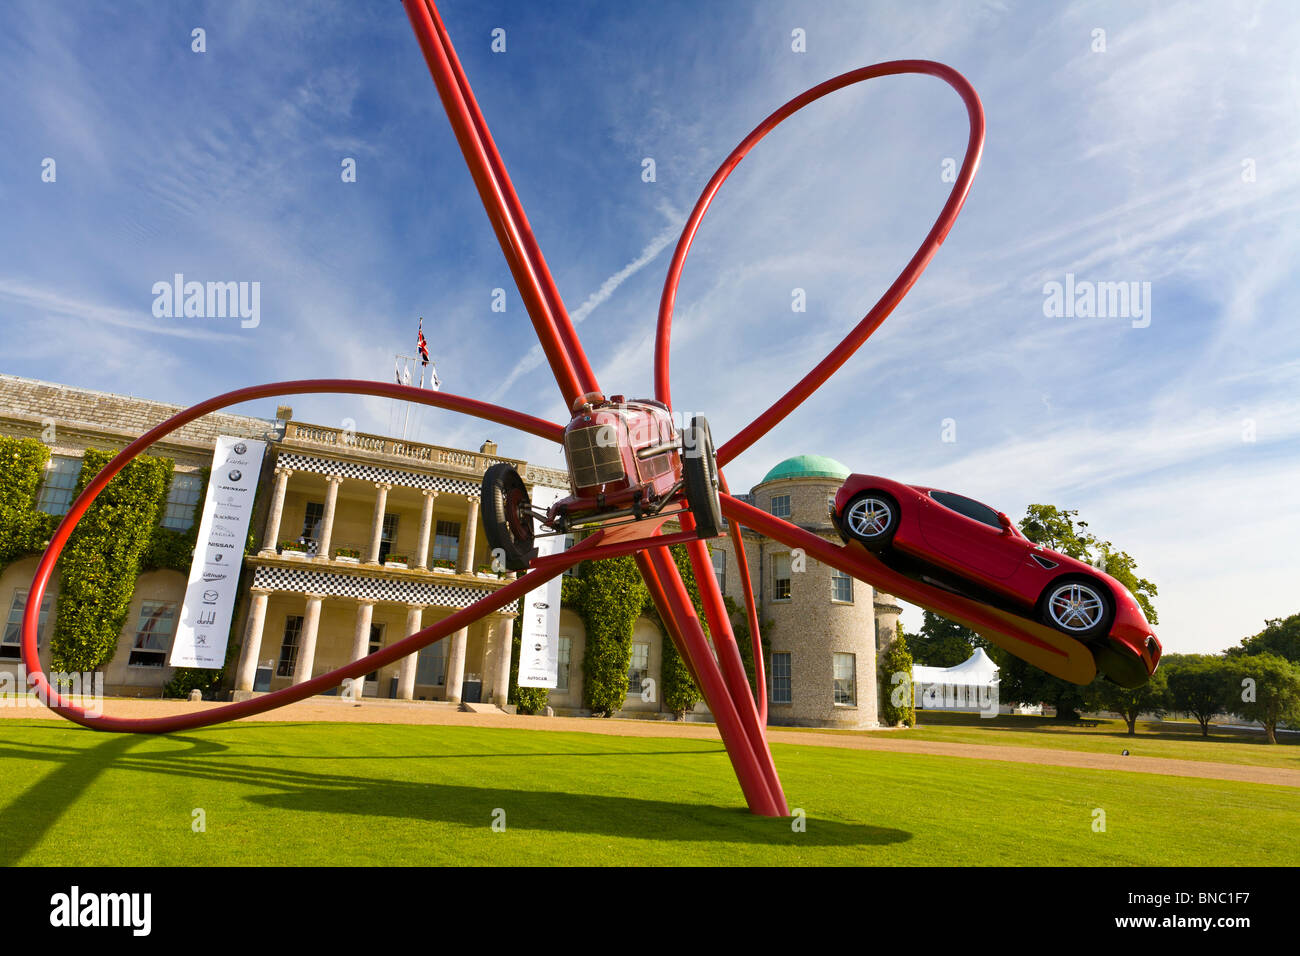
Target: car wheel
{"type": "Point", "coordinates": [871, 518]}
{"type": "Point", "coordinates": [508, 516]}
{"type": "Point", "coordinates": [700, 474]}
{"type": "Point", "coordinates": [1076, 606]}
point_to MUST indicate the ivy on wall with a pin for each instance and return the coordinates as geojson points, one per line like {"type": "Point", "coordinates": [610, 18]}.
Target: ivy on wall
{"type": "Point", "coordinates": [23, 529]}
{"type": "Point", "coordinates": [680, 695]}
{"type": "Point", "coordinates": [102, 559]}
{"type": "Point", "coordinates": [118, 539]}
{"type": "Point", "coordinates": [613, 595]}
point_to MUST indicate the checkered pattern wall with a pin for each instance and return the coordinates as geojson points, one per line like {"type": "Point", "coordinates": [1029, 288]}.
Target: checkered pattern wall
{"type": "Point", "coordinates": [403, 479]}
{"type": "Point", "coordinates": [430, 594]}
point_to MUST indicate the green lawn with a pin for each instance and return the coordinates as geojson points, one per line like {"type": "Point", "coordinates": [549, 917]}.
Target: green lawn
{"type": "Point", "coordinates": [300, 793]}
{"type": "Point", "coordinates": [1179, 741]}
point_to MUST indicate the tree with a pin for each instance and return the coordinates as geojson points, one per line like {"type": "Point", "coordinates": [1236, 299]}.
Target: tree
{"type": "Point", "coordinates": [1200, 684]}
{"type": "Point", "coordinates": [1021, 681]}
{"type": "Point", "coordinates": [1269, 690]}
{"type": "Point", "coordinates": [943, 643]}
{"type": "Point", "coordinates": [1063, 531]}
{"type": "Point", "coordinates": [897, 698]}
{"type": "Point", "coordinates": [1281, 636]}
{"type": "Point", "coordinates": [1150, 698]}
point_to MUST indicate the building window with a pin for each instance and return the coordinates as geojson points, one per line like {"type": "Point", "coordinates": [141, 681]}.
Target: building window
{"type": "Point", "coordinates": [376, 644]}
{"type": "Point", "coordinates": [153, 635]}
{"type": "Point", "coordinates": [637, 671]}
{"type": "Point", "coordinates": [311, 525]}
{"type": "Point", "coordinates": [841, 586]}
{"type": "Point", "coordinates": [720, 568]}
{"type": "Point", "coordinates": [571, 572]}
{"type": "Point", "coordinates": [781, 679]}
{"type": "Point", "coordinates": [781, 506]}
{"type": "Point", "coordinates": [387, 535]}
{"type": "Point", "coordinates": [845, 683]}
{"type": "Point", "coordinates": [562, 672]}
{"type": "Point", "coordinates": [780, 577]}
{"type": "Point", "coordinates": [446, 542]}
{"type": "Point", "coordinates": [11, 648]}
{"type": "Point", "coordinates": [60, 482]}
{"type": "Point", "coordinates": [182, 498]}
{"type": "Point", "coordinates": [431, 664]}
{"type": "Point", "coordinates": [289, 646]}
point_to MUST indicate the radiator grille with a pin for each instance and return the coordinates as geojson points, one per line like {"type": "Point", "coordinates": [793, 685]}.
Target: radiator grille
{"type": "Point", "coordinates": [592, 462]}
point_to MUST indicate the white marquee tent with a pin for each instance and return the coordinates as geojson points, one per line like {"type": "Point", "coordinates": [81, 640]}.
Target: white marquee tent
{"type": "Point", "coordinates": [970, 685]}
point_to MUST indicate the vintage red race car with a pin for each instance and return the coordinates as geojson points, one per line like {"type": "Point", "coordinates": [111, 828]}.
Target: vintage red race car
{"type": "Point", "coordinates": [630, 470]}
{"type": "Point", "coordinates": [959, 544]}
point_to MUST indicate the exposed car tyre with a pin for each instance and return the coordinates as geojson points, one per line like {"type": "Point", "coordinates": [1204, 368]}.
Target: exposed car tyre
{"type": "Point", "coordinates": [1076, 606]}
{"type": "Point", "coordinates": [871, 518]}
{"type": "Point", "coordinates": [700, 473]}
{"type": "Point", "coordinates": [508, 516]}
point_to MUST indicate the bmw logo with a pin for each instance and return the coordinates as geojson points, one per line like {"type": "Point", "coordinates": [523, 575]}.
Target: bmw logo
{"type": "Point", "coordinates": [235, 474]}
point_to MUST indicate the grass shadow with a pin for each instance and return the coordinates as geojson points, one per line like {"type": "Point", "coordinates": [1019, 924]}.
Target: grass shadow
{"type": "Point", "coordinates": [25, 821]}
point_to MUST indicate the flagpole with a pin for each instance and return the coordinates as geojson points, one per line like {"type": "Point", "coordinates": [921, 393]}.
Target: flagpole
{"type": "Point", "coordinates": [419, 417]}
{"type": "Point", "coordinates": [407, 421]}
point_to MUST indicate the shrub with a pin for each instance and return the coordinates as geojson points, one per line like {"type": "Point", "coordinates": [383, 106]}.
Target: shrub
{"type": "Point", "coordinates": [897, 701]}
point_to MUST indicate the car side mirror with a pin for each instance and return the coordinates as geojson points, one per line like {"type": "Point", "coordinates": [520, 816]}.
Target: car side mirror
{"type": "Point", "coordinates": [1005, 522]}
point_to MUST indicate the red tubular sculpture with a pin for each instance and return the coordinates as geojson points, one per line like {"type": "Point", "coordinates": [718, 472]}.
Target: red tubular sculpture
{"type": "Point", "coordinates": [740, 712]}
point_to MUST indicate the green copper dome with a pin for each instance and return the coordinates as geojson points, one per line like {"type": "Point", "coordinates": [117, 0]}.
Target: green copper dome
{"type": "Point", "coordinates": [807, 466]}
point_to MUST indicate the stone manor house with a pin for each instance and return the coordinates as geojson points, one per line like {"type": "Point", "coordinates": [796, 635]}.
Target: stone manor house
{"type": "Point", "coordinates": [364, 539]}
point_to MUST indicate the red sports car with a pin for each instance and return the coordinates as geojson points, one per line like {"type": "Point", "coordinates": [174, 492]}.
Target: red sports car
{"type": "Point", "coordinates": [957, 543]}
{"type": "Point", "coordinates": [629, 471]}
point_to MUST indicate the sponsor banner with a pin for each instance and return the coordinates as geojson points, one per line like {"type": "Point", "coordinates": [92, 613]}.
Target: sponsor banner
{"type": "Point", "coordinates": [539, 611]}
{"type": "Point", "coordinates": [204, 627]}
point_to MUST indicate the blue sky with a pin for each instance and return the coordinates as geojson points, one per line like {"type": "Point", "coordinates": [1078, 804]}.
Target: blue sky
{"type": "Point", "coordinates": [1131, 164]}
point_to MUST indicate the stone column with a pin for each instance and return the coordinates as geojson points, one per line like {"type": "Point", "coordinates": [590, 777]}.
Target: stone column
{"type": "Point", "coordinates": [361, 633]}
{"type": "Point", "coordinates": [503, 627]}
{"type": "Point", "coordinates": [277, 510]}
{"type": "Point", "coordinates": [327, 520]}
{"type": "Point", "coordinates": [406, 675]}
{"type": "Point", "coordinates": [469, 537]}
{"type": "Point", "coordinates": [456, 664]}
{"type": "Point", "coordinates": [426, 528]}
{"type": "Point", "coordinates": [377, 528]}
{"type": "Point", "coordinates": [307, 639]}
{"type": "Point", "coordinates": [252, 640]}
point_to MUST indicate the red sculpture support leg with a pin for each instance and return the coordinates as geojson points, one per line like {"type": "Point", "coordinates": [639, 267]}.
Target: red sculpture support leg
{"type": "Point", "coordinates": [753, 766]}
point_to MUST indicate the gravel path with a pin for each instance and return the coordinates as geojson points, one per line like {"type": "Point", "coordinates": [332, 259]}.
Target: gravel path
{"type": "Point", "coordinates": [393, 712]}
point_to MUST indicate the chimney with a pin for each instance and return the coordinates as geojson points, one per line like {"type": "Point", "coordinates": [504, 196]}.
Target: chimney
{"type": "Point", "coordinates": [489, 447]}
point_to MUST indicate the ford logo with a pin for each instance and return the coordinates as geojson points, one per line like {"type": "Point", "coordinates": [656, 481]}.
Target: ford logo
{"type": "Point", "coordinates": [541, 605]}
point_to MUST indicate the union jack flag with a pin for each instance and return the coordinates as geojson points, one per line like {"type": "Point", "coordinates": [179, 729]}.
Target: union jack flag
{"type": "Point", "coordinates": [421, 344]}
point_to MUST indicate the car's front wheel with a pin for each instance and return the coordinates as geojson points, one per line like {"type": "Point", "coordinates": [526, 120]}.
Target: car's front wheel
{"type": "Point", "coordinates": [1076, 606]}
{"type": "Point", "coordinates": [871, 518]}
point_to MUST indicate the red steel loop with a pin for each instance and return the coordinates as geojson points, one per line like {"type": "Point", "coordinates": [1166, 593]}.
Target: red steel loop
{"type": "Point", "coordinates": [887, 302]}
{"type": "Point", "coordinates": [493, 601]}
